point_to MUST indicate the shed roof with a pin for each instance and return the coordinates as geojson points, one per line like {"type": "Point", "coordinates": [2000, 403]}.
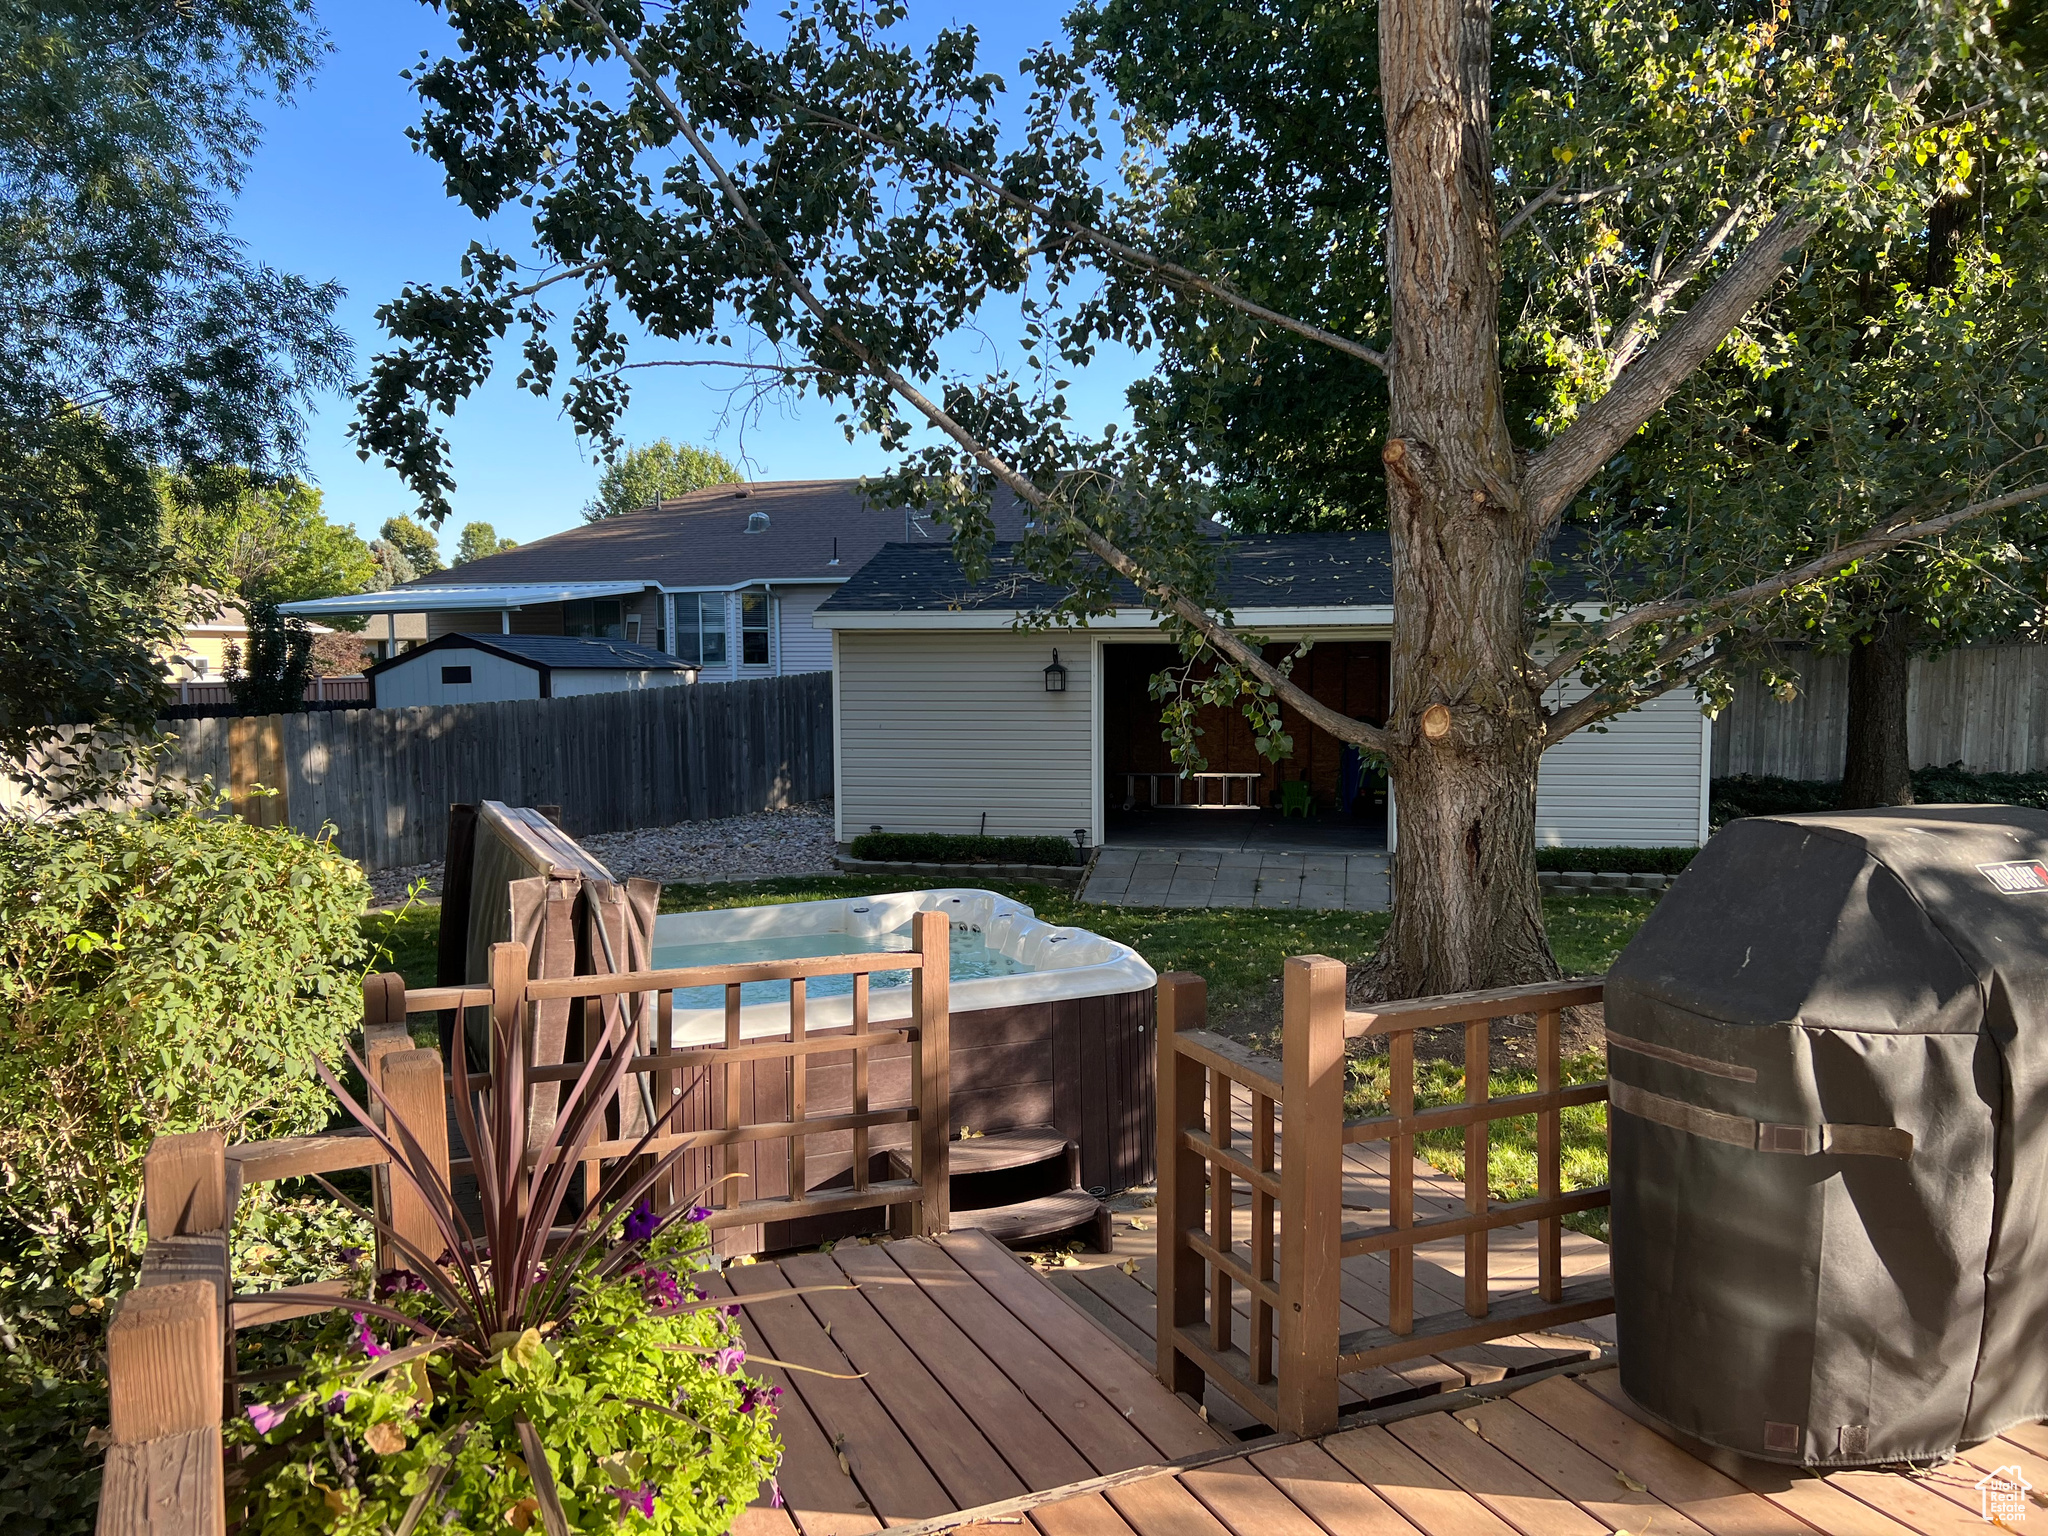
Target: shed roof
{"type": "Point", "coordinates": [555, 652]}
{"type": "Point", "coordinates": [1295, 571]}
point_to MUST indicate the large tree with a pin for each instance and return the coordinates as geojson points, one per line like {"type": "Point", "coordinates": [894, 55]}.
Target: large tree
{"type": "Point", "coordinates": [264, 541]}
{"type": "Point", "coordinates": [649, 473]}
{"type": "Point", "coordinates": [135, 336]}
{"type": "Point", "coordinates": [845, 204]}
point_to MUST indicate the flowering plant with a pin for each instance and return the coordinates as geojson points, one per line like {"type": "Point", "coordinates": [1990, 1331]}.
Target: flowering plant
{"type": "Point", "coordinates": [570, 1376]}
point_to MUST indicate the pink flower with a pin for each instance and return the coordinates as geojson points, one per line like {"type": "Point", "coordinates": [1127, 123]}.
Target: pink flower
{"type": "Point", "coordinates": [753, 1397]}
{"type": "Point", "coordinates": [774, 1493]}
{"type": "Point", "coordinates": [729, 1359]}
{"type": "Point", "coordinates": [367, 1339]}
{"type": "Point", "coordinates": [641, 1498]}
{"type": "Point", "coordinates": [267, 1416]}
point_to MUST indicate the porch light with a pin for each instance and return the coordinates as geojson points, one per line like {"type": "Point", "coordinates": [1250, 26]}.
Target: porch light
{"type": "Point", "coordinates": [1055, 676]}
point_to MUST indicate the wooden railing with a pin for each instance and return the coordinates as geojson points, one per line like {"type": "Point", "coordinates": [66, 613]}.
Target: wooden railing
{"type": "Point", "coordinates": [170, 1342]}
{"type": "Point", "coordinates": [1291, 1174]}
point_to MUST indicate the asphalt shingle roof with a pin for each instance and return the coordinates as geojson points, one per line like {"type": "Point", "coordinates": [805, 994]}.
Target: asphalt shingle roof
{"type": "Point", "coordinates": [562, 652]}
{"type": "Point", "coordinates": [1278, 570]}
{"type": "Point", "coordinates": [701, 540]}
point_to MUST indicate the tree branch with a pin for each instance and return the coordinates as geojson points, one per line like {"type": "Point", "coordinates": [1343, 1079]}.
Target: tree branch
{"type": "Point", "coordinates": [1167, 271]}
{"type": "Point", "coordinates": [1635, 330]}
{"type": "Point", "coordinates": [1595, 707]}
{"type": "Point", "coordinates": [1876, 542]}
{"type": "Point", "coordinates": [1558, 473]}
{"type": "Point", "coordinates": [1218, 635]}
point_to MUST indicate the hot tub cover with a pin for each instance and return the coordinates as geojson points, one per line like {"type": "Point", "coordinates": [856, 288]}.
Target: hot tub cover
{"type": "Point", "coordinates": [1828, 1051]}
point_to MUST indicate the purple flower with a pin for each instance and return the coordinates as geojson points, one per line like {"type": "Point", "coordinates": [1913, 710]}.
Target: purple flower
{"type": "Point", "coordinates": [774, 1493]}
{"type": "Point", "coordinates": [730, 1311]}
{"type": "Point", "coordinates": [366, 1339]}
{"type": "Point", "coordinates": [351, 1255]}
{"type": "Point", "coordinates": [642, 1223]}
{"type": "Point", "coordinates": [729, 1359]}
{"type": "Point", "coordinates": [335, 1404]}
{"type": "Point", "coordinates": [659, 1287]}
{"type": "Point", "coordinates": [753, 1397]}
{"type": "Point", "coordinates": [641, 1498]}
{"type": "Point", "coordinates": [267, 1416]}
{"type": "Point", "coordinates": [398, 1282]}
{"type": "Point", "coordinates": [698, 1213]}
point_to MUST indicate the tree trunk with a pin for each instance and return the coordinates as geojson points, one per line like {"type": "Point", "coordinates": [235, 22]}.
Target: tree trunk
{"type": "Point", "coordinates": [1464, 714]}
{"type": "Point", "coordinates": [1878, 770]}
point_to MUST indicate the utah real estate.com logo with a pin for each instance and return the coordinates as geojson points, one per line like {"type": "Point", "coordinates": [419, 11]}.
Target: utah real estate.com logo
{"type": "Point", "coordinates": [2002, 1495]}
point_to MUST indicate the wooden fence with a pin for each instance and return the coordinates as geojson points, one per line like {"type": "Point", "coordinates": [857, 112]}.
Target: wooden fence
{"type": "Point", "coordinates": [170, 1342]}
{"type": "Point", "coordinates": [614, 761]}
{"type": "Point", "coordinates": [1985, 707]}
{"type": "Point", "coordinates": [1289, 1264]}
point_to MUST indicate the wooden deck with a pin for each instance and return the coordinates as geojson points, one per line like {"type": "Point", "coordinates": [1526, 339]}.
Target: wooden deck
{"type": "Point", "coordinates": [971, 1396]}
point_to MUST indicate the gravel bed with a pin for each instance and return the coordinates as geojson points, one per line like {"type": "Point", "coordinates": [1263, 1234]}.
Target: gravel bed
{"type": "Point", "coordinates": [797, 841]}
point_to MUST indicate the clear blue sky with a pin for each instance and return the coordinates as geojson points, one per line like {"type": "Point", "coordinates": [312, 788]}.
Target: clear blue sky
{"type": "Point", "coordinates": [337, 191]}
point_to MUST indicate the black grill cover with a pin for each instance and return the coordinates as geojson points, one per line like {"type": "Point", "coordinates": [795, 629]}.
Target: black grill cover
{"type": "Point", "coordinates": [1793, 1278]}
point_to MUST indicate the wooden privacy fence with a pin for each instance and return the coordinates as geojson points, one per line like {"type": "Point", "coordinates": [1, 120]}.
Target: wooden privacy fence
{"type": "Point", "coordinates": [386, 777]}
{"type": "Point", "coordinates": [170, 1342]}
{"type": "Point", "coordinates": [1292, 1174]}
{"type": "Point", "coordinates": [1984, 706]}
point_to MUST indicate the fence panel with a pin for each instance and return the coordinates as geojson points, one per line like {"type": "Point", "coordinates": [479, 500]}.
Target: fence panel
{"type": "Point", "coordinates": [613, 761]}
{"type": "Point", "coordinates": [1984, 706]}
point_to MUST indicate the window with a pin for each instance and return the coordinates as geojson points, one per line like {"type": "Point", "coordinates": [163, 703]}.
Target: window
{"type": "Point", "coordinates": [633, 630]}
{"type": "Point", "coordinates": [455, 674]}
{"type": "Point", "coordinates": [754, 621]}
{"type": "Point", "coordinates": [700, 628]}
{"type": "Point", "coordinates": [597, 618]}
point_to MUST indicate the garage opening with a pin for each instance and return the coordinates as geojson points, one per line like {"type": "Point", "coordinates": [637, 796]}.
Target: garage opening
{"type": "Point", "coordinates": [1324, 794]}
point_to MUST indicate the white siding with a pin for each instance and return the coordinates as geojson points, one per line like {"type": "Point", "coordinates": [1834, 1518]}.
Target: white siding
{"type": "Point", "coordinates": [936, 728]}
{"type": "Point", "coordinates": [417, 680]}
{"type": "Point", "coordinates": [804, 649]}
{"type": "Point", "coordinates": [1641, 783]}
{"type": "Point", "coordinates": [567, 680]}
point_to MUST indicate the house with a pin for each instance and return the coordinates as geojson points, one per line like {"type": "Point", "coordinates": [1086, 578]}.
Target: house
{"type": "Point", "coordinates": [219, 623]}
{"type": "Point", "coordinates": [949, 718]}
{"type": "Point", "coordinates": [478, 669]}
{"type": "Point", "coordinates": [725, 578]}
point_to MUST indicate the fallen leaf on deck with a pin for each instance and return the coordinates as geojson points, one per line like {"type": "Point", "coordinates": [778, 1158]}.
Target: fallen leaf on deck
{"type": "Point", "coordinates": [1129, 1267]}
{"type": "Point", "coordinates": [1630, 1483]}
{"type": "Point", "coordinates": [1471, 1424]}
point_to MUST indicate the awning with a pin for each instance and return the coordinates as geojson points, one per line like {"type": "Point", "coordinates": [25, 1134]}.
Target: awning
{"type": "Point", "coordinates": [440, 597]}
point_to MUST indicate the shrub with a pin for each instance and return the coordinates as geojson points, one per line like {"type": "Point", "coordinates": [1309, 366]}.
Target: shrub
{"type": "Point", "coordinates": [160, 971]}
{"type": "Point", "coordinates": [940, 848]}
{"type": "Point", "coordinates": [1617, 861]}
{"type": "Point", "coordinates": [1768, 795]}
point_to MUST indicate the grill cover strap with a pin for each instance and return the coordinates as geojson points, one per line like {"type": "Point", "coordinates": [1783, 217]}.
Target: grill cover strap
{"type": "Point", "coordinates": [1680, 1058]}
{"type": "Point", "coordinates": [1741, 1131]}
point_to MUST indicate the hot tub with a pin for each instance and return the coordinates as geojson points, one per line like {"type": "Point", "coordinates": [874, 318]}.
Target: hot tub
{"type": "Point", "coordinates": [1050, 1025]}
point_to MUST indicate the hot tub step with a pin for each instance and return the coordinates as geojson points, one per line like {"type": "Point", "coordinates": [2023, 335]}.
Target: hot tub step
{"type": "Point", "coordinates": [1031, 1221]}
{"type": "Point", "coordinates": [1005, 1167]}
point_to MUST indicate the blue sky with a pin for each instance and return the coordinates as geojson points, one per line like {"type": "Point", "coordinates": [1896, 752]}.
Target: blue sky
{"type": "Point", "coordinates": [336, 191]}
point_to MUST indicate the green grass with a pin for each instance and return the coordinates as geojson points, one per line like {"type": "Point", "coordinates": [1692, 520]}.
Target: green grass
{"type": "Point", "coordinates": [1239, 950]}
{"type": "Point", "coordinates": [1511, 1144]}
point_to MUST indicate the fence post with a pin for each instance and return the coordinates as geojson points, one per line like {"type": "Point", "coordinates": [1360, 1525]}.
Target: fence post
{"type": "Point", "coordinates": [165, 1378]}
{"type": "Point", "coordinates": [930, 1012]}
{"type": "Point", "coordinates": [1311, 1192]}
{"type": "Point", "coordinates": [185, 1184]}
{"type": "Point", "coordinates": [412, 1082]}
{"type": "Point", "coordinates": [1183, 1005]}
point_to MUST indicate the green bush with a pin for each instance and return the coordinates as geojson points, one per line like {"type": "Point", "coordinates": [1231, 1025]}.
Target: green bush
{"type": "Point", "coordinates": [1767, 795]}
{"type": "Point", "coordinates": [1617, 861]}
{"type": "Point", "coordinates": [160, 971]}
{"type": "Point", "coordinates": [939, 848]}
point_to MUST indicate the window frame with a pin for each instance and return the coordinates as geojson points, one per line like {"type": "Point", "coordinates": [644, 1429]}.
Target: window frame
{"type": "Point", "coordinates": [692, 630]}
{"type": "Point", "coordinates": [765, 629]}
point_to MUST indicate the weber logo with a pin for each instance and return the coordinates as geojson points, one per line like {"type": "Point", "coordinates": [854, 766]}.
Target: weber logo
{"type": "Point", "coordinates": [2019, 877]}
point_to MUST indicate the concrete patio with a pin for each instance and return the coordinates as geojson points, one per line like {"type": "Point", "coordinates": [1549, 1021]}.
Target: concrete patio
{"type": "Point", "coordinates": [1200, 877]}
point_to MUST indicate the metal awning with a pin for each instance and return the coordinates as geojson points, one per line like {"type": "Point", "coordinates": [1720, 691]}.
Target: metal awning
{"type": "Point", "coordinates": [440, 597]}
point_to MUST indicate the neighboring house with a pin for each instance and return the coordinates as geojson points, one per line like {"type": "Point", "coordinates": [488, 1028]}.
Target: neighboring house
{"type": "Point", "coordinates": [725, 578]}
{"type": "Point", "coordinates": [202, 652]}
{"type": "Point", "coordinates": [947, 719]}
{"type": "Point", "coordinates": [480, 669]}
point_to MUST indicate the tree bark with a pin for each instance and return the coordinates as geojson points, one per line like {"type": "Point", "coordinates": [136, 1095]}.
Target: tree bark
{"type": "Point", "coordinates": [1465, 713]}
{"type": "Point", "coordinates": [1878, 769]}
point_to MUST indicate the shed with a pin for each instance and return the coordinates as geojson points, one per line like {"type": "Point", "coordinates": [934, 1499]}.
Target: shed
{"type": "Point", "coordinates": [953, 715]}
{"type": "Point", "coordinates": [1830, 1138]}
{"type": "Point", "coordinates": [479, 669]}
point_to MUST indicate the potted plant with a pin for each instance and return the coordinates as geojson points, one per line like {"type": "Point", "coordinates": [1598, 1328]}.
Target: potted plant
{"type": "Point", "coordinates": [531, 1375]}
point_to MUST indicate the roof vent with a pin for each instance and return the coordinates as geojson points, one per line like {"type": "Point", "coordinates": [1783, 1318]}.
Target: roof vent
{"type": "Point", "coordinates": [757, 522]}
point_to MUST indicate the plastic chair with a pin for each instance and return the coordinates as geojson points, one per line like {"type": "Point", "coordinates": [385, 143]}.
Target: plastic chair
{"type": "Point", "coordinates": [1296, 799]}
